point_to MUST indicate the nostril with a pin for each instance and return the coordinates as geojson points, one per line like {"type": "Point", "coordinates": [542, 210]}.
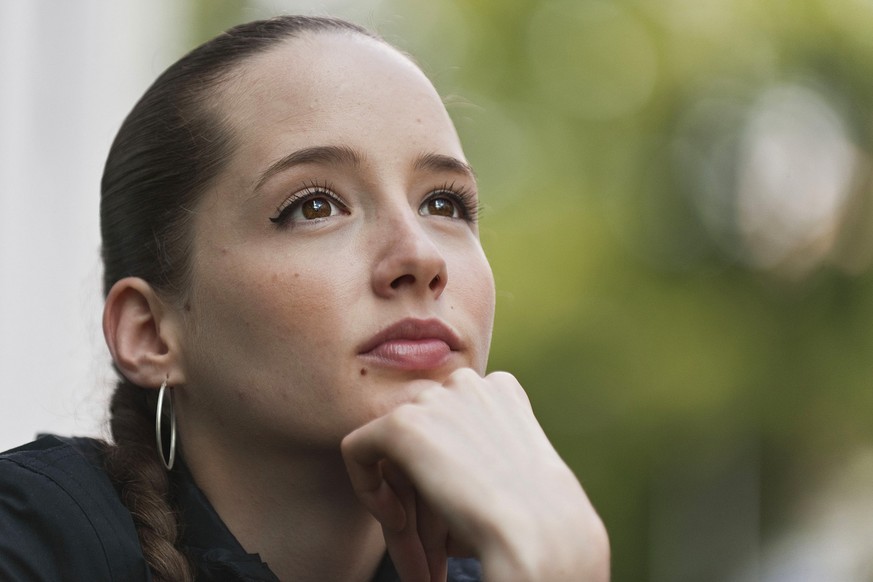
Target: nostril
{"type": "Point", "coordinates": [402, 280]}
{"type": "Point", "coordinates": [434, 283]}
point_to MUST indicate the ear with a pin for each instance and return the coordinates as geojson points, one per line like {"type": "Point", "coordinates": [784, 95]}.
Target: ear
{"type": "Point", "coordinates": [142, 333]}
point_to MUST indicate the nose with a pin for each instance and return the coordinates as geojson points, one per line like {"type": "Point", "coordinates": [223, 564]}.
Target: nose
{"type": "Point", "coordinates": [408, 260]}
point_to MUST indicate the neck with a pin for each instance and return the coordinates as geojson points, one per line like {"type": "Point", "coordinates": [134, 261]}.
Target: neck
{"type": "Point", "coordinates": [298, 512]}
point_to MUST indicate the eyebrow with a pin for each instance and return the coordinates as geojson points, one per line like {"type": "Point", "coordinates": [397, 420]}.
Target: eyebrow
{"type": "Point", "coordinates": [440, 162]}
{"type": "Point", "coordinates": [313, 155]}
{"type": "Point", "coordinates": [346, 155]}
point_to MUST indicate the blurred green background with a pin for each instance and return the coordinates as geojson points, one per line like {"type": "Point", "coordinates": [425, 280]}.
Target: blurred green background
{"type": "Point", "coordinates": [677, 207]}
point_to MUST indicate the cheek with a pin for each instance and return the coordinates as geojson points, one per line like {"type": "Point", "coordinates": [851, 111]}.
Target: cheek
{"type": "Point", "coordinates": [289, 303]}
{"type": "Point", "coordinates": [477, 281]}
{"type": "Point", "coordinates": [487, 301]}
{"type": "Point", "coordinates": [474, 294]}
{"type": "Point", "coordinates": [290, 307]}
{"type": "Point", "coordinates": [256, 312]}
{"type": "Point", "coordinates": [265, 348]}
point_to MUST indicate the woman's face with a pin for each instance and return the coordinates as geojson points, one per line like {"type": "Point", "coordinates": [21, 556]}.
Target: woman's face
{"type": "Point", "coordinates": [336, 260]}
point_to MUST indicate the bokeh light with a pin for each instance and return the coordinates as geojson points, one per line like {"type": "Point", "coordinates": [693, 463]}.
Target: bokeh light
{"type": "Point", "coordinates": [591, 59]}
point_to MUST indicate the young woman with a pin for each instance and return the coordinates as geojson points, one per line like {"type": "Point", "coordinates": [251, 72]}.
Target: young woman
{"type": "Point", "coordinates": [300, 312]}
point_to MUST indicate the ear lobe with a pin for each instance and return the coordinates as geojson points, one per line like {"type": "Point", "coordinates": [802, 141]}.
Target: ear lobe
{"type": "Point", "coordinates": [143, 349]}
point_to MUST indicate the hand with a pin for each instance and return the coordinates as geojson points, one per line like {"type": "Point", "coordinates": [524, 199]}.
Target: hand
{"type": "Point", "coordinates": [465, 469]}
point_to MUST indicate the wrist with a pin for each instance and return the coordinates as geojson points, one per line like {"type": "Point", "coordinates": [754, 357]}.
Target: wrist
{"type": "Point", "coordinates": [561, 540]}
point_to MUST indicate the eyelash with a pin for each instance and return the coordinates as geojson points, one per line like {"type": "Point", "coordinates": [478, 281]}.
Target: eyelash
{"type": "Point", "coordinates": [462, 196]}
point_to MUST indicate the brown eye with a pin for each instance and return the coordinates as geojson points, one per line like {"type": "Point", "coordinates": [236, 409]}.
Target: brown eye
{"type": "Point", "coordinates": [313, 204]}
{"type": "Point", "coordinates": [440, 206]}
{"type": "Point", "coordinates": [316, 208]}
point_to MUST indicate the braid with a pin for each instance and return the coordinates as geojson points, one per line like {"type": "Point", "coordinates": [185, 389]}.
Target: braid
{"type": "Point", "coordinates": [143, 484]}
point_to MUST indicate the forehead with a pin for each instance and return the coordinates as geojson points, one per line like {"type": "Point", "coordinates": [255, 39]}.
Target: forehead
{"type": "Point", "coordinates": [335, 88]}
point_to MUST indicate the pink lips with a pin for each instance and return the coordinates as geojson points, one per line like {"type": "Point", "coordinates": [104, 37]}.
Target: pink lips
{"type": "Point", "coordinates": [412, 344]}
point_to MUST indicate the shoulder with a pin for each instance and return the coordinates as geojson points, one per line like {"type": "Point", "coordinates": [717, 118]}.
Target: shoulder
{"type": "Point", "coordinates": [60, 517]}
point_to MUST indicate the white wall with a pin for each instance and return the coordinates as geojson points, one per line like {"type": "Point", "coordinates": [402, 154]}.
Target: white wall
{"type": "Point", "coordinates": [69, 72]}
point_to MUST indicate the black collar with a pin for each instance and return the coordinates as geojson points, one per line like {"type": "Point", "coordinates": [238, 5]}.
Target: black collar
{"type": "Point", "coordinates": [215, 553]}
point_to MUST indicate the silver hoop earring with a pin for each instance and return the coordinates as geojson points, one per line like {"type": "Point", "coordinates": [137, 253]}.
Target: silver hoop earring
{"type": "Point", "coordinates": [167, 463]}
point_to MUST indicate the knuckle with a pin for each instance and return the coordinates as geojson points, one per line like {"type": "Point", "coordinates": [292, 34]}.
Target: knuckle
{"type": "Point", "coordinates": [501, 377]}
{"type": "Point", "coordinates": [405, 418]}
{"type": "Point", "coordinates": [348, 443]}
{"type": "Point", "coordinates": [427, 395]}
{"type": "Point", "coordinates": [461, 376]}
{"type": "Point", "coordinates": [509, 384]}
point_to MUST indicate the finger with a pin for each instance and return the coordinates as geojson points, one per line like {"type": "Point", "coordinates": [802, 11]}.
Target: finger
{"type": "Point", "coordinates": [376, 494]}
{"type": "Point", "coordinates": [366, 451]}
{"type": "Point", "coordinates": [433, 533]}
{"type": "Point", "coordinates": [404, 545]}
{"type": "Point", "coordinates": [406, 555]}
{"type": "Point", "coordinates": [508, 383]}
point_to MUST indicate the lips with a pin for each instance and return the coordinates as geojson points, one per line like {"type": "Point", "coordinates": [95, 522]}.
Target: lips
{"type": "Point", "coordinates": [412, 344]}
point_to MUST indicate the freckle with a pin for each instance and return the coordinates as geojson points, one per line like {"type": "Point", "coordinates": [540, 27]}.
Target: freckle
{"type": "Point", "coordinates": [224, 251]}
{"type": "Point", "coordinates": [296, 275]}
{"type": "Point", "coordinates": [363, 371]}
{"type": "Point", "coordinates": [187, 306]}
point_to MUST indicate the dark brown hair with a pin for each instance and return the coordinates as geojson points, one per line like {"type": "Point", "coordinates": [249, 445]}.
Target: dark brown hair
{"type": "Point", "coordinates": [168, 151]}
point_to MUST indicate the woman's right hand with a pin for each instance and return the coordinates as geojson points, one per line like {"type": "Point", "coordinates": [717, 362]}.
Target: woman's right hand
{"type": "Point", "coordinates": [466, 469]}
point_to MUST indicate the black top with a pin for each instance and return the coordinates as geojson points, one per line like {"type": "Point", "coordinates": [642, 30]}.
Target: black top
{"type": "Point", "coordinates": [61, 519]}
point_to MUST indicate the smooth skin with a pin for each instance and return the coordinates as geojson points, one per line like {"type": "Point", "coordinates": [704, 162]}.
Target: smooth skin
{"type": "Point", "coordinates": [346, 207]}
